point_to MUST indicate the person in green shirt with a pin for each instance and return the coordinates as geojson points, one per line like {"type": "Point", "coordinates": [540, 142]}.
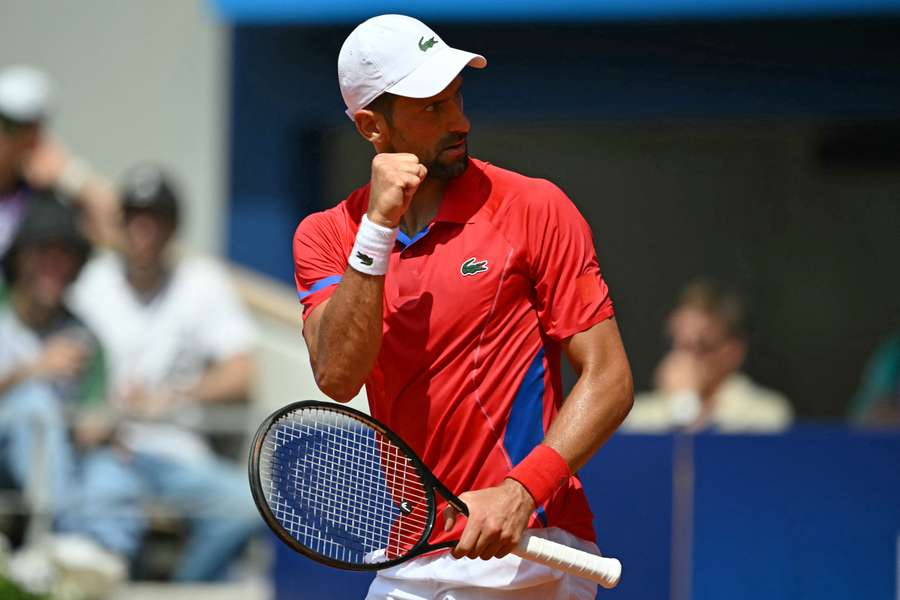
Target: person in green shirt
{"type": "Point", "coordinates": [51, 365]}
{"type": "Point", "coordinates": [877, 402]}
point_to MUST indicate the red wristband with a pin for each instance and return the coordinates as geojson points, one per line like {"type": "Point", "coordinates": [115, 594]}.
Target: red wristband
{"type": "Point", "coordinates": [542, 472]}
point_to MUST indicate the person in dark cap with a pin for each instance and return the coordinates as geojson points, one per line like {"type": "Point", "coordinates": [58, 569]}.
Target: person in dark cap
{"type": "Point", "coordinates": [52, 372]}
{"type": "Point", "coordinates": [150, 211]}
{"type": "Point", "coordinates": [178, 340]}
{"type": "Point", "coordinates": [41, 338]}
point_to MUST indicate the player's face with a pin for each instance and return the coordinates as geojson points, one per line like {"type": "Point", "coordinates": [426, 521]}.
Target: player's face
{"type": "Point", "coordinates": [434, 129]}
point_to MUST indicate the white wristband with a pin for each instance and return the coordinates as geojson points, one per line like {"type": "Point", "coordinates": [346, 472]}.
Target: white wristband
{"type": "Point", "coordinates": [372, 251]}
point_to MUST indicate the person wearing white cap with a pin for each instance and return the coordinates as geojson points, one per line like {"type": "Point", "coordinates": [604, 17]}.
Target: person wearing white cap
{"type": "Point", "coordinates": [450, 288]}
{"type": "Point", "coordinates": [31, 160]}
{"type": "Point", "coordinates": [24, 95]}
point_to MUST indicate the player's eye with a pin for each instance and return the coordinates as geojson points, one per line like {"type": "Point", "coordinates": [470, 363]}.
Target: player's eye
{"type": "Point", "coordinates": [432, 107]}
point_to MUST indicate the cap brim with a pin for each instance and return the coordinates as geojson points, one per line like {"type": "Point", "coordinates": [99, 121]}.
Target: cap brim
{"type": "Point", "coordinates": [432, 76]}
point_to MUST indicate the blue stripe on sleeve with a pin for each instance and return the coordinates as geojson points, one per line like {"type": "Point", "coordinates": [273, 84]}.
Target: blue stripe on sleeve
{"type": "Point", "coordinates": [320, 284]}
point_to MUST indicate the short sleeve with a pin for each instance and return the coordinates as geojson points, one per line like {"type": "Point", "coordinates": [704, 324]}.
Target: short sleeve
{"type": "Point", "coordinates": [571, 295]}
{"type": "Point", "coordinates": [320, 258]}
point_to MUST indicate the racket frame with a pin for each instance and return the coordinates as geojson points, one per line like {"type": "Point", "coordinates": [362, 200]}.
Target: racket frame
{"type": "Point", "coordinates": [431, 484]}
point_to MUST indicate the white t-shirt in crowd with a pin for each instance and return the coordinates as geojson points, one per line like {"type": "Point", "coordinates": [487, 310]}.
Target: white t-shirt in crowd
{"type": "Point", "coordinates": [195, 320]}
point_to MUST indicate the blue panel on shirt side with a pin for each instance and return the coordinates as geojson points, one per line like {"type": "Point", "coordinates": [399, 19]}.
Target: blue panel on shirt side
{"type": "Point", "coordinates": [526, 418]}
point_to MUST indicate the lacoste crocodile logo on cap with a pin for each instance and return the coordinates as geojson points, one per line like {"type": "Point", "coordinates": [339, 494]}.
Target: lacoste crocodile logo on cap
{"type": "Point", "coordinates": [424, 45]}
{"type": "Point", "coordinates": [473, 267]}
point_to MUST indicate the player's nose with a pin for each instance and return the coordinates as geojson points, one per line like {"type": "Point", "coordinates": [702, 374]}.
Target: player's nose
{"type": "Point", "coordinates": [458, 122]}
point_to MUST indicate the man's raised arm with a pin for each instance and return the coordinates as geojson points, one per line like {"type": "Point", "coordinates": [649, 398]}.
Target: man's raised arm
{"type": "Point", "coordinates": [343, 333]}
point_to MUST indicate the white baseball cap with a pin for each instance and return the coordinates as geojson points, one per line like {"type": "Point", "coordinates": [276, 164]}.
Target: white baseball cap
{"type": "Point", "coordinates": [24, 94]}
{"type": "Point", "coordinates": [400, 55]}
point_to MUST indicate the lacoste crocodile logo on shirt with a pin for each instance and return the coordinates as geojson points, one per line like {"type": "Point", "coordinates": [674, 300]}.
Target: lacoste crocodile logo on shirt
{"type": "Point", "coordinates": [473, 267]}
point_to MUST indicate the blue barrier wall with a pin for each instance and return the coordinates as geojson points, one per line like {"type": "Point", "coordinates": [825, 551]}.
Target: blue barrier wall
{"type": "Point", "coordinates": [814, 513]}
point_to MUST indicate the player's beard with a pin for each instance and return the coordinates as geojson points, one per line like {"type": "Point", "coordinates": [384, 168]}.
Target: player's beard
{"type": "Point", "coordinates": [441, 169]}
{"type": "Point", "coordinates": [448, 169]}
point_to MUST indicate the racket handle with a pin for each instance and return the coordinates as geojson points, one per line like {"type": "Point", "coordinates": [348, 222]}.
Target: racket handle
{"type": "Point", "coordinates": [604, 571]}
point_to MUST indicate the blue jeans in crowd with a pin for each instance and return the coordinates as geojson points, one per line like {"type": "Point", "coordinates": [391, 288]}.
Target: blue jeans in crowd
{"type": "Point", "coordinates": [102, 494]}
{"type": "Point", "coordinates": [214, 497]}
{"type": "Point", "coordinates": [34, 445]}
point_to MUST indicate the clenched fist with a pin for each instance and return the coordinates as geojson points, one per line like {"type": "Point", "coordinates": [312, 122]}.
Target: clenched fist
{"type": "Point", "coordinates": [395, 179]}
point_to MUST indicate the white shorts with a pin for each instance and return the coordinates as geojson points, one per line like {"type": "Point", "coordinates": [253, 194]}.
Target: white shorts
{"type": "Point", "coordinates": [442, 577]}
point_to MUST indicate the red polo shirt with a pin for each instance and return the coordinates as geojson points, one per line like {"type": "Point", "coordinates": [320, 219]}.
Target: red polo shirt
{"type": "Point", "coordinates": [475, 308]}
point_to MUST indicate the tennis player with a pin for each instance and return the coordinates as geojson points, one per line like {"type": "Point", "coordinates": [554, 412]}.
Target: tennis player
{"type": "Point", "coordinates": [450, 288]}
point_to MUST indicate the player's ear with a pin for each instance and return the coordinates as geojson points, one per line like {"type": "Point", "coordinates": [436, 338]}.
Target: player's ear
{"type": "Point", "coordinates": [371, 125]}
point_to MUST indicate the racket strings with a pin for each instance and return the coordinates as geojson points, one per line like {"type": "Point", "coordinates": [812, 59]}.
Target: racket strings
{"type": "Point", "coordinates": [389, 461]}
{"type": "Point", "coordinates": [323, 503]}
{"type": "Point", "coordinates": [342, 489]}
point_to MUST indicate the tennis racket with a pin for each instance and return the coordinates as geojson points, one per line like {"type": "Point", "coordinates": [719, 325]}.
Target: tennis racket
{"type": "Point", "coordinates": [342, 489]}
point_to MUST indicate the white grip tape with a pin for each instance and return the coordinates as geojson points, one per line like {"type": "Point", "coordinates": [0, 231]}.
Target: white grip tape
{"type": "Point", "coordinates": [372, 251]}
{"type": "Point", "coordinates": [604, 571]}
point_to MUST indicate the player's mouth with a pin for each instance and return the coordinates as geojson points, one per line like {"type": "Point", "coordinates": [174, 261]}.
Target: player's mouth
{"type": "Point", "coordinates": [456, 150]}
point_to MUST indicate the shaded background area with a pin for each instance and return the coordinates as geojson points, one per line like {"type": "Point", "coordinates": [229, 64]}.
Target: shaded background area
{"type": "Point", "coordinates": [765, 154]}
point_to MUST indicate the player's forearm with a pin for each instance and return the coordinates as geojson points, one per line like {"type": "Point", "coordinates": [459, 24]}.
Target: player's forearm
{"type": "Point", "coordinates": [348, 337]}
{"type": "Point", "coordinates": [600, 400]}
{"type": "Point", "coordinates": [592, 412]}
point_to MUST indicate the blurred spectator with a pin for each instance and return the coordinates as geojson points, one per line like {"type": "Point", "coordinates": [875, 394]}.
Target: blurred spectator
{"type": "Point", "coordinates": [51, 368]}
{"type": "Point", "coordinates": [49, 361]}
{"type": "Point", "coordinates": [698, 383]}
{"type": "Point", "coordinates": [877, 402]}
{"type": "Point", "coordinates": [30, 160]}
{"type": "Point", "coordinates": [177, 338]}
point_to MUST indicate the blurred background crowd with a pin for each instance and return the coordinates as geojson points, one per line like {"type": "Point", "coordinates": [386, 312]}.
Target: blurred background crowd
{"type": "Point", "coordinates": [741, 176]}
